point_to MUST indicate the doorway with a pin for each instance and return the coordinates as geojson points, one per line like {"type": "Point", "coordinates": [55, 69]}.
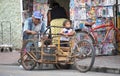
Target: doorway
{"type": "Point", "coordinates": [64, 4]}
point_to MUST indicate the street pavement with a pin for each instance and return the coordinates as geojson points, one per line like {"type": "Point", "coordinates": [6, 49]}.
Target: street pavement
{"type": "Point", "coordinates": [10, 70]}
{"type": "Point", "coordinates": [107, 64]}
{"type": "Point", "coordinates": [9, 58]}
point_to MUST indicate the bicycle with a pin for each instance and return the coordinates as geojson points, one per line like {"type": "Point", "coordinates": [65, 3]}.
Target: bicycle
{"type": "Point", "coordinates": [50, 52]}
{"type": "Point", "coordinates": [90, 35]}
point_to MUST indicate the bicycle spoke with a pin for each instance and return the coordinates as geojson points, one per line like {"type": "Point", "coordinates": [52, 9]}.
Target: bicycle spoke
{"type": "Point", "coordinates": [84, 56]}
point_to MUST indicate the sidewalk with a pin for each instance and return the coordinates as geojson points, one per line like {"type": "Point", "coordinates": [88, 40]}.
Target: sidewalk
{"type": "Point", "coordinates": [107, 61]}
{"type": "Point", "coordinates": [107, 64]}
{"type": "Point", "coordinates": [9, 58]}
{"type": "Point", "coordinates": [102, 63]}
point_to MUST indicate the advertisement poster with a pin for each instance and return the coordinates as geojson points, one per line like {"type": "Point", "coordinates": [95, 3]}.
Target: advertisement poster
{"type": "Point", "coordinates": [96, 10]}
{"type": "Point", "coordinates": [42, 6]}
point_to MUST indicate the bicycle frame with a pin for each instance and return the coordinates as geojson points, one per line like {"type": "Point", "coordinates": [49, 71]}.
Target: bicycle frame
{"type": "Point", "coordinates": [110, 27]}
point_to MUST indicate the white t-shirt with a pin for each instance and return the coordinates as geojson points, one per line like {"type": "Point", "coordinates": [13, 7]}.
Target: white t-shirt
{"type": "Point", "coordinates": [63, 38]}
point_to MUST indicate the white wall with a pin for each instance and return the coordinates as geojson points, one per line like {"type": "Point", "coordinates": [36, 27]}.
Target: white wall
{"type": "Point", "coordinates": [10, 10]}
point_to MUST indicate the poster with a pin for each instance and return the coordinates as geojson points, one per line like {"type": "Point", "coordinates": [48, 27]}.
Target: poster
{"type": "Point", "coordinates": [79, 3]}
{"type": "Point", "coordinates": [96, 10]}
{"type": "Point", "coordinates": [72, 5]}
{"type": "Point", "coordinates": [41, 1]}
{"type": "Point", "coordinates": [80, 13]}
{"type": "Point", "coordinates": [42, 6]}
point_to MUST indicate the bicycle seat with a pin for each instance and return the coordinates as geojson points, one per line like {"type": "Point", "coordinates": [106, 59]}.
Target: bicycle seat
{"type": "Point", "coordinates": [89, 24]}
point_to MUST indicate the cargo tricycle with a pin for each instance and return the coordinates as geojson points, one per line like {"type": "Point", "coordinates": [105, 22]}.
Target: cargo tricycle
{"type": "Point", "coordinates": [47, 49]}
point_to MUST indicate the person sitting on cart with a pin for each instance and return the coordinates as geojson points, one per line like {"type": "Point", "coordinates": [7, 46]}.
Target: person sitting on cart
{"type": "Point", "coordinates": [66, 32]}
{"type": "Point", "coordinates": [32, 26]}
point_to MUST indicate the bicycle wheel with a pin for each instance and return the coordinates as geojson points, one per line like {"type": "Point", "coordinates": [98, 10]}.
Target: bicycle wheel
{"type": "Point", "coordinates": [10, 49]}
{"type": "Point", "coordinates": [116, 43]}
{"type": "Point", "coordinates": [84, 56]}
{"type": "Point", "coordinates": [84, 35]}
{"type": "Point", "coordinates": [27, 61]}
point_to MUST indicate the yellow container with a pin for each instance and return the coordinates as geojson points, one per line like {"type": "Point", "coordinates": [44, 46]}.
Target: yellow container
{"type": "Point", "coordinates": [55, 30]}
{"type": "Point", "coordinates": [57, 22]}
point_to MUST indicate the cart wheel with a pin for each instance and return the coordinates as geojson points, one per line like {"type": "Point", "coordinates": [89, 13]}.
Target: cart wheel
{"type": "Point", "coordinates": [1, 49]}
{"type": "Point", "coordinates": [62, 66]}
{"type": "Point", "coordinates": [10, 49]}
{"type": "Point", "coordinates": [84, 56]}
{"type": "Point", "coordinates": [27, 62]}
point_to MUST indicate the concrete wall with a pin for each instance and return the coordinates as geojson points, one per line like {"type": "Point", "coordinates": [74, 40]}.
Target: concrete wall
{"type": "Point", "coordinates": [10, 10]}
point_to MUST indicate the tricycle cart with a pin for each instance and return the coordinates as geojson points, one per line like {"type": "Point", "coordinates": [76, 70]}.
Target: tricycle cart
{"type": "Point", "coordinates": [47, 50]}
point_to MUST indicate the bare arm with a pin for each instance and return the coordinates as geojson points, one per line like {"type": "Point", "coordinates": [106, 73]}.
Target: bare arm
{"type": "Point", "coordinates": [71, 33]}
{"type": "Point", "coordinates": [62, 33]}
{"type": "Point", "coordinates": [26, 28]}
{"type": "Point", "coordinates": [31, 32]}
{"type": "Point", "coordinates": [68, 34]}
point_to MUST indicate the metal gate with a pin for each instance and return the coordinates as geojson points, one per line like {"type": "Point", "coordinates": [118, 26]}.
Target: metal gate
{"type": "Point", "coordinates": [5, 36]}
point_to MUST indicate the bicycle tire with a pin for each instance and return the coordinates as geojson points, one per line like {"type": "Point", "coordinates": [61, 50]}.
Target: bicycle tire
{"type": "Point", "coordinates": [116, 45]}
{"type": "Point", "coordinates": [81, 57]}
{"type": "Point", "coordinates": [26, 57]}
{"type": "Point", "coordinates": [10, 49]}
{"type": "Point", "coordinates": [84, 35]}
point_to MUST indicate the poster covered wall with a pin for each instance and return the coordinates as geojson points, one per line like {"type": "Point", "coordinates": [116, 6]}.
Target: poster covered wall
{"type": "Point", "coordinates": [92, 8]}
{"type": "Point", "coordinates": [81, 10]}
{"type": "Point", "coordinates": [95, 10]}
{"type": "Point", "coordinates": [42, 6]}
